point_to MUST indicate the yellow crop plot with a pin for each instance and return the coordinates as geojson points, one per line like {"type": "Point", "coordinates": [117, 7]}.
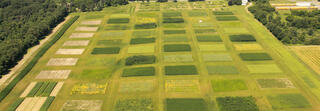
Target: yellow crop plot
{"type": "Point", "coordinates": [146, 20]}
{"type": "Point", "coordinates": [89, 88]}
{"type": "Point", "coordinates": [182, 85]}
{"type": "Point", "coordinates": [310, 55]}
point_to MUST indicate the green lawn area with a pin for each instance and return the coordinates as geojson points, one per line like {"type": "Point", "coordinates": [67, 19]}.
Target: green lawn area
{"type": "Point", "coordinates": [186, 104]}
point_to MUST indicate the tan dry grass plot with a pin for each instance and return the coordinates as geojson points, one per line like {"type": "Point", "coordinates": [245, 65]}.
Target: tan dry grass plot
{"type": "Point", "coordinates": [54, 74]}
{"type": "Point", "coordinates": [81, 35]}
{"type": "Point", "coordinates": [310, 55]}
{"type": "Point", "coordinates": [76, 43]}
{"type": "Point", "coordinates": [70, 51]}
{"type": "Point", "coordinates": [56, 89]}
{"type": "Point", "coordinates": [82, 105]}
{"type": "Point", "coordinates": [86, 28]}
{"type": "Point", "coordinates": [31, 104]}
{"type": "Point", "coordinates": [28, 89]}
{"type": "Point", "coordinates": [91, 22]}
{"type": "Point", "coordinates": [62, 62]}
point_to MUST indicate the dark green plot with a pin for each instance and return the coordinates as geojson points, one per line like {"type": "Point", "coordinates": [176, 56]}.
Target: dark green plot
{"type": "Point", "coordinates": [142, 40]}
{"type": "Point", "coordinates": [186, 104]}
{"type": "Point", "coordinates": [222, 13]}
{"type": "Point", "coordinates": [255, 56]}
{"type": "Point", "coordinates": [139, 71]}
{"type": "Point", "coordinates": [209, 38]}
{"type": "Point", "coordinates": [227, 18]}
{"type": "Point", "coordinates": [199, 31]}
{"type": "Point", "coordinates": [118, 20]}
{"type": "Point", "coordinates": [242, 38]}
{"type": "Point", "coordinates": [108, 50]}
{"type": "Point", "coordinates": [140, 59]}
{"type": "Point", "coordinates": [177, 48]}
{"type": "Point", "coordinates": [174, 32]}
{"type": "Point", "coordinates": [173, 20]}
{"type": "Point", "coordinates": [145, 26]}
{"type": "Point", "coordinates": [181, 70]}
{"type": "Point", "coordinates": [172, 14]}
{"type": "Point", "coordinates": [117, 27]}
{"type": "Point", "coordinates": [237, 104]}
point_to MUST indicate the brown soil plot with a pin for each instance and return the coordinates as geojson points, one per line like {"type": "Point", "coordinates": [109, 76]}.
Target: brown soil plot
{"type": "Point", "coordinates": [62, 62]}
{"type": "Point", "coordinates": [70, 51]}
{"type": "Point", "coordinates": [54, 74]}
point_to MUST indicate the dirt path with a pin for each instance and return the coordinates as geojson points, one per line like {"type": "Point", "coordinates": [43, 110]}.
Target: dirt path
{"type": "Point", "coordinates": [6, 79]}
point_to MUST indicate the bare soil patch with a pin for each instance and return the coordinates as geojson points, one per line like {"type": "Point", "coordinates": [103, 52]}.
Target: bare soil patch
{"type": "Point", "coordinates": [81, 35]}
{"type": "Point", "coordinates": [76, 43]}
{"type": "Point", "coordinates": [54, 74]}
{"type": "Point", "coordinates": [70, 51]}
{"type": "Point", "coordinates": [62, 62]}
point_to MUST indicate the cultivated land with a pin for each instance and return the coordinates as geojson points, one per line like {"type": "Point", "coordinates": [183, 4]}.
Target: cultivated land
{"type": "Point", "coordinates": [163, 56]}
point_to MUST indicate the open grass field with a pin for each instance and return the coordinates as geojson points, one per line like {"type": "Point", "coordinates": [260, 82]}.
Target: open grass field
{"type": "Point", "coordinates": [185, 56]}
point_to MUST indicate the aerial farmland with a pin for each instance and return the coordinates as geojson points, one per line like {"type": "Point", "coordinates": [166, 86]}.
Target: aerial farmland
{"type": "Point", "coordinates": [169, 56]}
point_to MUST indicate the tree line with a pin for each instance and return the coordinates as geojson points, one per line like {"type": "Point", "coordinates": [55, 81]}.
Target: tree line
{"type": "Point", "coordinates": [89, 5]}
{"type": "Point", "coordinates": [299, 27]}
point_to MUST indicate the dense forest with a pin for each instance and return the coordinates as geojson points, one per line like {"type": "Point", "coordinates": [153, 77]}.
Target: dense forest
{"type": "Point", "coordinates": [299, 27]}
{"type": "Point", "coordinates": [24, 22]}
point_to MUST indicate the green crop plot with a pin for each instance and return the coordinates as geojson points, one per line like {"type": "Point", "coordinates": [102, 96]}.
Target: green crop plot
{"type": "Point", "coordinates": [214, 47]}
{"type": "Point", "coordinates": [173, 20]}
{"type": "Point", "coordinates": [227, 18]}
{"type": "Point", "coordinates": [118, 20]}
{"type": "Point", "coordinates": [264, 68]}
{"type": "Point", "coordinates": [222, 13]}
{"type": "Point", "coordinates": [100, 61]}
{"type": "Point", "coordinates": [186, 104]}
{"type": "Point", "coordinates": [136, 86]}
{"type": "Point", "coordinates": [209, 38]}
{"type": "Point", "coordinates": [140, 59]}
{"type": "Point", "coordinates": [172, 14]}
{"type": "Point", "coordinates": [177, 48]}
{"type": "Point", "coordinates": [142, 40]}
{"type": "Point", "coordinates": [167, 32]}
{"type": "Point", "coordinates": [117, 27]}
{"type": "Point", "coordinates": [94, 74]}
{"type": "Point", "coordinates": [109, 42]}
{"type": "Point", "coordinates": [145, 26]}
{"type": "Point", "coordinates": [178, 58]}
{"type": "Point", "coordinates": [231, 24]}
{"type": "Point", "coordinates": [181, 70]}
{"type": "Point", "coordinates": [136, 104]}
{"type": "Point", "coordinates": [237, 104]}
{"type": "Point", "coordinates": [173, 25]}
{"type": "Point", "coordinates": [200, 31]}
{"type": "Point", "coordinates": [228, 85]}
{"type": "Point", "coordinates": [242, 38]}
{"type": "Point", "coordinates": [107, 50]}
{"type": "Point", "coordinates": [286, 101]}
{"type": "Point", "coordinates": [141, 49]}
{"type": "Point", "coordinates": [222, 69]}
{"type": "Point", "coordinates": [216, 57]}
{"type": "Point", "coordinates": [275, 83]}
{"type": "Point", "coordinates": [138, 71]}
{"type": "Point", "coordinates": [179, 38]}
{"type": "Point", "coordinates": [197, 13]}
{"type": "Point", "coordinates": [255, 56]}
{"type": "Point", "coordinates": [113, 34]}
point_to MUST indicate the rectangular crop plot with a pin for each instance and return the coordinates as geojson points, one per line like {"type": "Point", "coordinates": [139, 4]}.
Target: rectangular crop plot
{"type": "Point", "coordinates": [56, 89]}
{"type": "Point", "coordinates": [178, 58]}
{"type": "Point", "coordinates": [236, 30]}
{"type": "Point", "coordinates": [91, 22]}
{"type": "Point", "coordinates": [168, 32]}
{"type": "Point", "coordinates": [136, 86]}
{"type": "Point", "coordinates": [117, 34]}
{"type": "Point", "coordinates": [247, 47]}
{"type": "Point", "coordinates": [107, 50]}
{"type": "Point", "coordinates": [287, 101]}
{"type": "Point", "coordinates": [117, 27]}
{"type": "Point", "coordinates": [237, 103]}
{"type": "Point", "coordinates": [181, 70]}
{"type": "Point", "coordinates": [201, 31]}
{"type": "Point", "coordinates": [53, 74]}
{"type": "Point", "coordinates": [227, 18]}
{"type": "Point", "coordinates": [255, 56]}
{"type": "Point", "coordinates": [182, 86]}
{"type": "Point", "coordinates": [222, 13]}
{"type": "Point", "coordinates": [70, 51]}
{"type": "Point", "coordinates": [173, 20]}
{"type": "Point", "coordinates": [141, 49]}
{"type": "Point", "coordinates": [81, 35]}
{"type": "Point", "coordinates": [275, 83]}
{"type": "Point", "coordinates": [140, 59]}
{"type": "Point", "coordinates": [145, 26]}
{"type": "Point", "coordinates": [76, 43]}
{"type": "Point", "coordinates": [42, 89]}
{"type": "Point", "coordinates": [186, 104]}
{"type": "Point", "coordinates": [82, 28]}
{"type": "Point", "coordinates": [109, 42]}
{"type": "Point", "coordinates": [173, 25]}
{"type": "Point", "coordinates": [62, 62]}
{"type": "Point", "coordinates": [177, 48]}
{"type": "Point", "coordinates": [209, 38]}
{"type": "Point", "coordinates": [134, 104]}
{"type": "Point", "coordinates": [89, 88]}
{"type": "Point", "coordinates": [142, 40]}
{"type": "Point", "coordinates": [95, 74]}
{"type": "Point", "coordinates": [228, 85]}
{"type": "Point", "coordinates": [31, 104]}
{"type": "Point", "coordinates": [175, 39]}
{"type": "Point", "coordinates": [197, 13]}
{"type": "Point", "coordinates": [217, 57]}
{"type": "Point", "coordinates": [144, 33]}
{"type": "Point", "coordinates": [118, 20]}
{"type": "Point", "coordinates": [82, 105]}
{"type": "Point", "coordinates": [264, 68]}
{"type": "Point", "coordinates": [242, 38]}
{"type": "Point", "coordinates": [222, 69]}
{"type": "Point", "coordinates": [28, 89]}
{"type": "Point", "coordinates": [172, 14]}
{"type": "Point", "coordinates": [214, 47]}
{"type": "Point", "coordinates": [120, 16]}
{"type": "Point", "coordinates": [138, 71]}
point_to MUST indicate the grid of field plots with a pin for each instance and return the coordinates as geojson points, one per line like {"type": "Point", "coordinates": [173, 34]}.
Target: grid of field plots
{"type": "Point", "coordinates": [198, 56]}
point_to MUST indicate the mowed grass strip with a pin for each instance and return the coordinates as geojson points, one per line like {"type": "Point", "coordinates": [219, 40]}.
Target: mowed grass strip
{"type": "Point", "coordinates": [201, 31]}
{"type": "Point", "coordinates": [223, 69]}
{"type": "Point", "coordinates": [145, 26]}
{"type": "Point", "coordinates": [140, 59]}
{"type": "Point", "coordinates": [142, 40]}
{"type": "Point", "coordinates": [228, 85]}
{"type": "Point", "coordinates": [177, 48]}
{"type": "Point", "coordinates": [227, 18]}
{"type": "Point", "coordinates": [209, 38]}
{"type": "Point", "coordinates": [167, 32]}
{"type": "Point", "coordinates": [242, 38]}
{"type": "Point", "coordinates": [107, 50]}
{"type": "Point", "coordinates": [138, 71]}
{"type": "Point", "coordinates": [287, 101]}
{"type": "Point", "coordinates": [237, 103]}
{"type": "Point", "coordinates": [118, 20]}
{"type": "Point", "coordinates": [255, 56]}
{"type": "Point", "coordinates": [173, 20]}
{"type": "Point", "coordinates": [172, 14]}
{"type": "Point", "coordinates": [186, 104]}
{"type": "Point", "coordinates": [181, 70]}
{"type": "Point", "coordinates": [222, 13]}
